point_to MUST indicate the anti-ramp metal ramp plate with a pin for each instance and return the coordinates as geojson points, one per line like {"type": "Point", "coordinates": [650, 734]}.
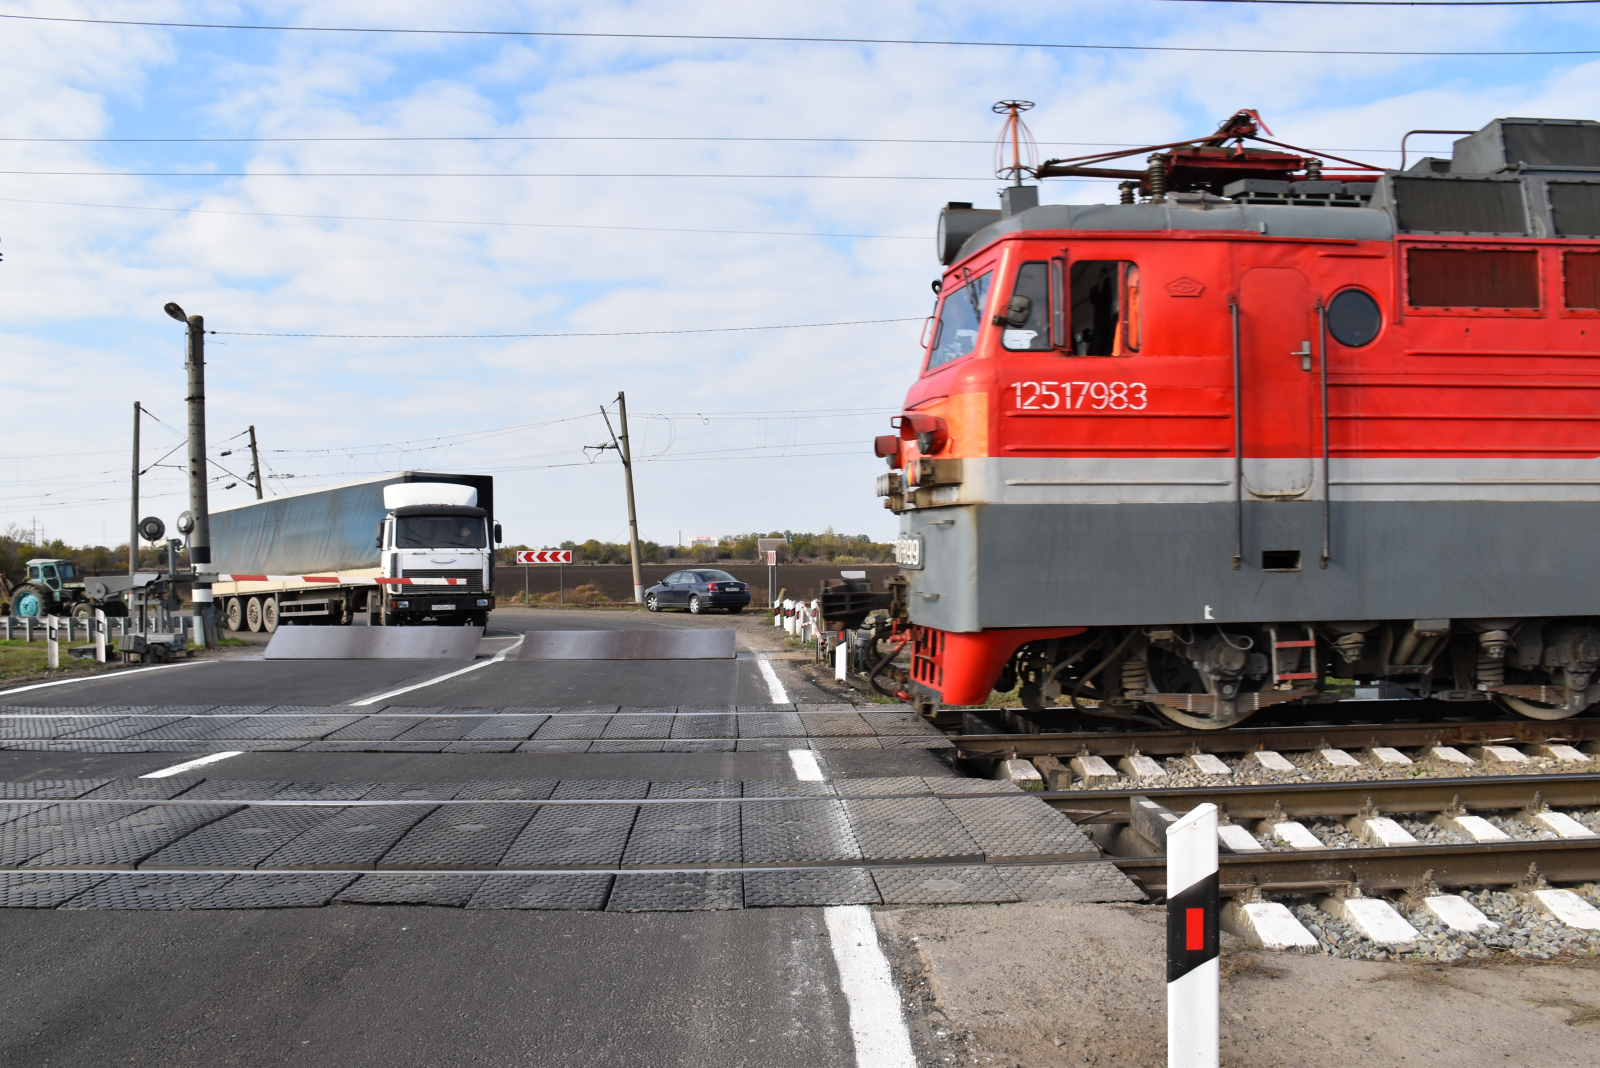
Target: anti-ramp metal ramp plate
{"type": "Point", "coordinates": [374, 643]}
{"type": "Point", "coordinates": [628, 645]}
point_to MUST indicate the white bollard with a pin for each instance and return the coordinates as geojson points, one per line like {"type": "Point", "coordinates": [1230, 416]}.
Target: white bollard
{"type": "Point", "coordinates": [840, 657]}
{"type": "Point", "coordinates": [100, 635]}
{"type": "Point", "coordinates": [1193, 982]}
{"type": "Point", "coordinates": [199, 629]}
{"type": "Point", "coordinates": [52, 641]}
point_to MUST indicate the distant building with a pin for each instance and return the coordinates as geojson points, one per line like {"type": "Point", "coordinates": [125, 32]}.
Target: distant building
{"type": "Point", "coordinates": [703, 542]}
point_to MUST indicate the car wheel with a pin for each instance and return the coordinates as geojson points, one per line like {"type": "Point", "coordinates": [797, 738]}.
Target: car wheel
{"type": "Point", "coordinates": [651, 604]}
{"type": "Point", "coordinates": [736, 609]}
{"type": "Point", "coordinates": [252, 615]}
{"type": "Point", "coordinates": [694, 605]}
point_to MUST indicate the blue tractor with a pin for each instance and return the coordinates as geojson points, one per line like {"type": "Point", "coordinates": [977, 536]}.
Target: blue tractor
{"type": "Point", "coordinates": [53, 587]}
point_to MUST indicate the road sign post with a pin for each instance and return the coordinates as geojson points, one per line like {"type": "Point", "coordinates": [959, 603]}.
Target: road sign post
{"type": "Point", "coordinates": [1193, 892]}
{"type": "Point", "coordinates": [559, 557]}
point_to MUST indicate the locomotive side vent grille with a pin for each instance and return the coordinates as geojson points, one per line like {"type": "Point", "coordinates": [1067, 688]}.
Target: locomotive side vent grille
{"type": "Point", "coordinates": [1575, 208]}
{"type": "Point", "coordinates": [1472, 278]}
{"type": "Point", "coordinates": [1552, 145]}
{"type": "Point", "coordinates": [1459, 205]}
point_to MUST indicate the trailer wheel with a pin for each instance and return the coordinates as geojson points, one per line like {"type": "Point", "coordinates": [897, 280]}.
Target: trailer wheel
{"type": "Point", "coordinates": [252, 615]}
{"type": "Point", "coordinates": [83, 610]}
{"type": "Point", "coordinates": [269, 614]}
{"type": "Point", "coordinates": [233, 614]}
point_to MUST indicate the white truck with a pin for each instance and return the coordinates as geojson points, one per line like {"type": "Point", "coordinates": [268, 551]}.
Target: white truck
{"type": "Point", "coordinates": [408, 548]}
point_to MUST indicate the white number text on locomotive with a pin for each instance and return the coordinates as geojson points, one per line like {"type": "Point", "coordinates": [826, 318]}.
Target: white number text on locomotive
{"type": "Point", "coordinates": [1065, 396]}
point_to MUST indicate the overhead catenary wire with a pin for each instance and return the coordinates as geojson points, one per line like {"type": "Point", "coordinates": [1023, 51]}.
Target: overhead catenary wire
{"type": "Point", "coordinates": [818, 40]}
{"type": "Point", "coordinates": [611, 333]}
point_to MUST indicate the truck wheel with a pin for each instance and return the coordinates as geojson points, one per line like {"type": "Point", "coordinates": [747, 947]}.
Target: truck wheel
{"type": "Point", "coordinates": [31, 602]}
{"type": "Point", "coordinates": [252, 614]}
{"type": "Point", "coordinates": [269, 614]}
{"type": "Point", "coordinates": [233, 614]}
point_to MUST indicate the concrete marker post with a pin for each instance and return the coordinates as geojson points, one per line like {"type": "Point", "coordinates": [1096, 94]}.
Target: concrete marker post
{"type": "Point", "coordinates": [839, 652]}
{"type": "Point", "coordinates": [52, 642]}
{"type": "Point", "coordinates": [1193, 980]}
{"type": "Point", "coordinates": [100, 635]}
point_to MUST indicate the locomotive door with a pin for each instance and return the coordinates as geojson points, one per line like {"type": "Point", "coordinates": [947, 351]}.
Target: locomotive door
{"type": "Point", "coordinates": [1278, 391]}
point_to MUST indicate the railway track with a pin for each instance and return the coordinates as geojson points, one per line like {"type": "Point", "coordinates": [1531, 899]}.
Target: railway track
{"type": "Point", "coordinates": [1420, 816]}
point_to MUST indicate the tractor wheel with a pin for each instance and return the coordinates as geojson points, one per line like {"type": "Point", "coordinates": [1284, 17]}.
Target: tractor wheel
{"type": "Point", "coordinates": [32, 602]}
{"type": "Point", "coordinates": [83, 610]}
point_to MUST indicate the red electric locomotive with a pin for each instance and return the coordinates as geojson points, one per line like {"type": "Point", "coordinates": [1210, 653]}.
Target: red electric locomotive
{"type": "Point", "coordinates": [1258, 426]}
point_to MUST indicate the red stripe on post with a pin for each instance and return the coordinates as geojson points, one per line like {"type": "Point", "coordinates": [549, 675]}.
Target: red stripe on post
{"type": "Point", "coordinates": [1194, 933]}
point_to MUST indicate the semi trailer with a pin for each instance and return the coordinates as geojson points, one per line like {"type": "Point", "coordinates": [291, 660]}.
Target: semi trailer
{"type": "Point", "coordinates": [414, 547]}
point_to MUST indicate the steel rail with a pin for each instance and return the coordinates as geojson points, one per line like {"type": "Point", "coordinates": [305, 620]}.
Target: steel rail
{"type": "Point", "coordinates": [1401, 868]}
{"type": "Point", "coordinates": [1306, 799]}
{"type": "Point", "coordinates": [1177, 742]}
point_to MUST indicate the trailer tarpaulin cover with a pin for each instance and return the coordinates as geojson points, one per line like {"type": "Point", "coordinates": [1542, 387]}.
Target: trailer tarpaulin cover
{"type": "Point", "coordinates": [323, 530]}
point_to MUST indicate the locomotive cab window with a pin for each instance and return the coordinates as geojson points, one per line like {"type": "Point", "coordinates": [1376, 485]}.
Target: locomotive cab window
{"type": "Point", "coordinates": [1105, 308]}
{"type": "Point", "coordinates": [960, 316]}
{"type": "Point", "coordinates": [1034, 319]}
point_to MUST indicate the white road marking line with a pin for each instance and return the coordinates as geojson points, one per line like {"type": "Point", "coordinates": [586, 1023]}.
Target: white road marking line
{"type": "Point", "coordinates": [501, 655]}
{"type": "Point", "coordinates": [198, 762]}
{"type": "Point", "coordinates": [805, 765]}
{"type": "Point", "coordinates": [775, 689]}
{"type": "Point", "coordinates": [104, 677]}
{"type": "Point", "coordinates": [876, 1025]}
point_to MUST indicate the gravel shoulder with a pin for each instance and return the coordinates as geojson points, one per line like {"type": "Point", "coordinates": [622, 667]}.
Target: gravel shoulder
{"type": "Point", "coordinates": [1048, 984]}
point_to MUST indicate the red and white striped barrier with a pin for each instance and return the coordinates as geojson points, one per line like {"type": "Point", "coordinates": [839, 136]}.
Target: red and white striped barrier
{"type": "Point", "coordinates": [346, 580]}
{"type": "Point", "coordinates": [1193, 901]}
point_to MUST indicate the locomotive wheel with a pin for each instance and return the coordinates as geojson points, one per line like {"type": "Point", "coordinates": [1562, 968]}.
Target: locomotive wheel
{"type": "Point", "coordinates": [1534, 709]}
{"type": "Point", "coordinates": [1197, 722]}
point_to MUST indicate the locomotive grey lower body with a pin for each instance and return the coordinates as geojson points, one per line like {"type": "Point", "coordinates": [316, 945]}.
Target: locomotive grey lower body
{"type": "Point", "coordinates": [1465, 598]}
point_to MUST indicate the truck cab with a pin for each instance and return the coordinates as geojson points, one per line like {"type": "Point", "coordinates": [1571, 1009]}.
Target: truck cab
{"type": "Point", "coordinates": [437, 554]}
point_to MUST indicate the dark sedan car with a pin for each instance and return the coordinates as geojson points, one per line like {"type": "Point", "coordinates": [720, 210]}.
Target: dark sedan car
{"type": "Point", "coordinates": [698, 591]}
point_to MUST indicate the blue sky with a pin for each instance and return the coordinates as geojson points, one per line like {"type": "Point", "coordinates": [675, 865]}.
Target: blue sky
{"type": "Point", "coordinates": [735, 431]}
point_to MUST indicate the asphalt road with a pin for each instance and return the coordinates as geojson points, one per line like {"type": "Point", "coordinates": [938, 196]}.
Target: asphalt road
{"type": "Point", "coordinates": [400, 985]}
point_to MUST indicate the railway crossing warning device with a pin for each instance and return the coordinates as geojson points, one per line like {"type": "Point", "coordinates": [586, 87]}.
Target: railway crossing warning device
{"type": "Point", "coordinates": [1193, 898]}
{"type": "Point", "coordinates": [545, 556]}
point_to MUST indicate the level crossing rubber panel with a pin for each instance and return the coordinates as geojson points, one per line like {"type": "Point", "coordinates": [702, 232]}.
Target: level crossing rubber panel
{"type": "Point", "coordinates": [374, 643]}
{"type": "Point", "coordinates": [628, 645]}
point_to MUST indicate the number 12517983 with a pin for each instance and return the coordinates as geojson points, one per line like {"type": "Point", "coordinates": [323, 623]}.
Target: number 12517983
{"type": "Point", "coordinates": [1050, 396]}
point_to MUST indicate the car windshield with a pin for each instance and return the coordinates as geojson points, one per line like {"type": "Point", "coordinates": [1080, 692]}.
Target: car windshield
{"type": "Point", "coordinates": [959, 320]}
{"type": "Point", "coordinates": [67, 572]}
{"type": "Point", "coordinates": [439, 532]}
{"type": "Point", "coordinates": [715, 576]}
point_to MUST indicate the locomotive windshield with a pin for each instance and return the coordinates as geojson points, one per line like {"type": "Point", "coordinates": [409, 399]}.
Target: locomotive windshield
{"type": "Point", "coordinates": [959, 320]}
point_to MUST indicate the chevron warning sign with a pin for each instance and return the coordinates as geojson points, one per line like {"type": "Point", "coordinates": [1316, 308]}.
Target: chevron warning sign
{"type": "Point", "coordinates": [544, 556]}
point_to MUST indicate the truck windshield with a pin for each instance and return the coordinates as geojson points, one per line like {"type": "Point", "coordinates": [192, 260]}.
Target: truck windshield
{"type": "Point", "coordinates": [439, 532]}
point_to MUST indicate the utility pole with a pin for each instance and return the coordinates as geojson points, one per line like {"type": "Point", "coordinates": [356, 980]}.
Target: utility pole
{"type": "Point", "coordinates": [199, 504]}
{"type": "Point", "coordinates": [627, 473]}
{"type": "Point", "coordinates": [133, 518]}
{"type": "Point", "coordinates": [255, 462]}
